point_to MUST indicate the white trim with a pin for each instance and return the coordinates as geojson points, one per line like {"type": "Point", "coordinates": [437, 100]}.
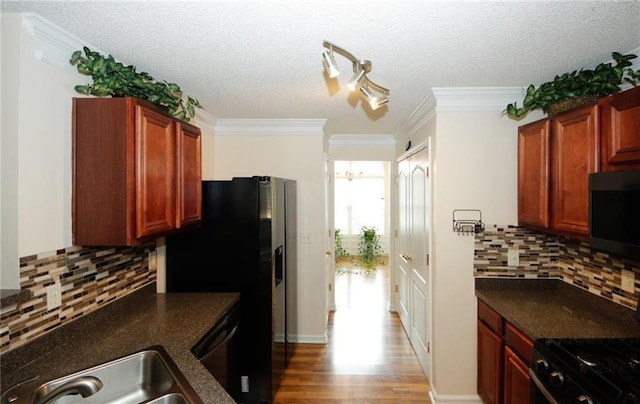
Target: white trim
{"type": "Point", "coordinates": [361, 140]}
{"type": "Point", "coordinates": [311, 339]}
{"type": "Point", "coordinates": [53, 45]}
{"type": "Point", "coordinates": [425, 110]}
{"type": "Point", "coordinates": [476, 98]}
{"type": "Point", "coordinates": [453, 399]}
{"type": "Point", "coordinates": [270, 127]}
{"type": "Point", "coordinates": [204, 120]}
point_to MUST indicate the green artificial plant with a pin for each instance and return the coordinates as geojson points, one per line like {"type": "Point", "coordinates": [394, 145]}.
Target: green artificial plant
{"type": "Point", "coordinates": [115, 79]}
{"type": "Point", "coordinates": [369, 247]}
{"type": "Point", "coordinates": [603, 80]}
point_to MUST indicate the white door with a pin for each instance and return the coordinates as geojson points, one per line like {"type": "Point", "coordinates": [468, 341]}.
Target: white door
{"type": "Point", "coordinates": [402, 245]}
{"type": "Point", "coordinates": [418, 261]}
{"type": "Point", "coordinates": [329, 237]}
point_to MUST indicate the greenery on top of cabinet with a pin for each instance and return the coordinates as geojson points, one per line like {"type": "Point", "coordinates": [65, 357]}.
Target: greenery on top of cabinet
{"type": "Point", "coordinates": [603, 80]}
{"type": "Point", "coordinates": [115, 79]}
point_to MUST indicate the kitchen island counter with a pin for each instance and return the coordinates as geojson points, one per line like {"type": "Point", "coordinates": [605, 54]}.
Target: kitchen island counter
{"type": "Point", "coordinates": [551, 308]}
{"type": "Point", "coordinates": [176, 321]}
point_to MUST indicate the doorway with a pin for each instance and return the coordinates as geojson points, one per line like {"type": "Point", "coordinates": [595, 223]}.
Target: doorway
{"type": "Point", "coordinates": [361, 209]}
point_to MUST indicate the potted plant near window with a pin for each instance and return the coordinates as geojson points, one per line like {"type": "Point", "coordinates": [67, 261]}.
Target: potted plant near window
{"type": "Point", "coordinates": [576, 88]}
{"type": "Point", "coordinates": [340, 250]}
{"type": "Point", "coordinates": [369, 248]}
{"type": "Point", "coordinates": [117, 80]}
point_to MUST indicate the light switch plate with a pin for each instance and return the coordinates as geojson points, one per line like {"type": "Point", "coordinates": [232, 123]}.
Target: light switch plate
{"type": "Point", "coordinates": [628, 281]}
{"type": "Point", "coordinates": [513, 257]}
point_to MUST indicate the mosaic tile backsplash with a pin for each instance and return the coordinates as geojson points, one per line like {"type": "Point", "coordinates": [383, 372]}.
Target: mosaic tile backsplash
{"type": "Point", "coordinates": [548, 256]}
{"type": "Point", "coordinates": [90, 278]}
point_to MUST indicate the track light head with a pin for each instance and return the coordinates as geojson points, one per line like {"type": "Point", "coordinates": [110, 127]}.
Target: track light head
{"type": "Point", "coordinates": [374, 101]}
{"type": "Point", "coordinates": [329, 63]}
{"type": "Point", "coordinates": [357, 79]}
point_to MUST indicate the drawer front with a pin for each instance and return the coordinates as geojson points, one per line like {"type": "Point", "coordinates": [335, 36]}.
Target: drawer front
{"type": "Point", "coordinates": [490, 317]}
{"type": "Point", "coordinates": [519, 342]}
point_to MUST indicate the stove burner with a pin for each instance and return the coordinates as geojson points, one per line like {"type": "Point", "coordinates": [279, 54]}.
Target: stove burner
{"type": "Point", "coordinates": [634, 358]}
{"type": "Point", "coordinates": [588, 359]}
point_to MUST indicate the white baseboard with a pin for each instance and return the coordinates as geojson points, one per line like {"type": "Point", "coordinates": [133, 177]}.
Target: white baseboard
{"type": "Point", "coordinates": [310, 339]}
{"type": "Point", "coordinates": [453, 399]}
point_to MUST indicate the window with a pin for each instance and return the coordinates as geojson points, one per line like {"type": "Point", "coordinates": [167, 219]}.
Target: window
{"type": "Point", "coordinates": [359, 196]}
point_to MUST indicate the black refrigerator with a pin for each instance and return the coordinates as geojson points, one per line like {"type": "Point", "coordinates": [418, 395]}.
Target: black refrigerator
{"type": "Point", "coordinates": [246, 244]}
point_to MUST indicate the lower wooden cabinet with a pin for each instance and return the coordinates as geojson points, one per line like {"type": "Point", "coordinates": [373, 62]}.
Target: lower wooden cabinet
{"type": "Point", "coordinates": [516, 378]}
{"type": "Point", "coordinates": [503, 357]}
{"type": "Point", "coordinates": [489, 364]}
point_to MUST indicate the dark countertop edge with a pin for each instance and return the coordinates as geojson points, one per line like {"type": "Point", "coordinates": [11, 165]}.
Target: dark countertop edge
{"type": "Point", "coordinates": [11, 297]}
{"type": "Point", "coordinates": [20, 363]}
{"type": "Point", "coordinates": [507, 296]}
{"type": "Point", "coordinates": [34, 349]}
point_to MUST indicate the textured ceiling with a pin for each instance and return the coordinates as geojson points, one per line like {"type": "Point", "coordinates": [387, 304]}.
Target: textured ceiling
{"type": "Point", "coordinates": [261, 59]}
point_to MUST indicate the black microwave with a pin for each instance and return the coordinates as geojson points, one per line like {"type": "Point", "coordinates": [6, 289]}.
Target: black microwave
{"type": "Point", "coordinates": [614, 212]}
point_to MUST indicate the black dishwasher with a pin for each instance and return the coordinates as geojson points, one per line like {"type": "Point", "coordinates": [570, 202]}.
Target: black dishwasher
{"type": "Point", "coordinates": [218, 351]}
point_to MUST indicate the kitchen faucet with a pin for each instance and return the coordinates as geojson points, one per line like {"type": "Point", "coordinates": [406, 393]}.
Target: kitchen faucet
{"type": "Point", "coordinates": [85, 386]}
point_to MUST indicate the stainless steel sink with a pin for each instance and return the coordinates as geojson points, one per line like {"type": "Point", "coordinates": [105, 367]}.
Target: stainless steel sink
{"type": "Point", "coordinates": [172, 398]}
{"type": "Point", "coordinates": [148, 376]}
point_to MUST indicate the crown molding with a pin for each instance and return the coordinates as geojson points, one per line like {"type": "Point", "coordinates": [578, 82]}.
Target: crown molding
{"type": "Point", "coordinates": [361, 140]}
{"type": "Point", "coordinates": [53, 45]}
{"type": "Point", "coordinates": [204, 120]}
{"type": "Point", "coordinates": [270, 127]}
{"type": "Point", "coordinates": [475, 98]}
{"type": "Point", "coordinates": [425, 110]}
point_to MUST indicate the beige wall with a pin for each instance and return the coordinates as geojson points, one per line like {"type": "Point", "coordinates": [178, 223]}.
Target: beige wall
{"type": "Point", "coordinates": [474, 167]}
{"type": "Point", "coordinates": [36, 139]}
{"type": "Point", "coordinates": [297, 157]}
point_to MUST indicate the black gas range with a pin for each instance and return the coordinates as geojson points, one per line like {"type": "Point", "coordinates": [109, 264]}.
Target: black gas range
{"type": "Point", "coordinates": [587, 371]}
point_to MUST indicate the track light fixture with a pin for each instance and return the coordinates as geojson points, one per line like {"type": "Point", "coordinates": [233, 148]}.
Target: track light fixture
{"type": "Point", "coordinates": [359, 80]}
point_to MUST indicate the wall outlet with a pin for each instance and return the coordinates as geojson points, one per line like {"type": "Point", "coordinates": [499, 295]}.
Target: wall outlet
{"type": "Point", "coordinates": [305, 238]}
{"type": "Point", "coordinates": [513, 257]}
{"type": "Point", "coordinates": [628, 281]}
{"type": "Point", "coordinates": [54, 296]}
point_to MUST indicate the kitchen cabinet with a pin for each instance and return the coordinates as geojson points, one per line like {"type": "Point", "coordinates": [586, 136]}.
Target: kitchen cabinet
{"type": "Point", "coordinates": [620, 130]}
{"type": "Point", "coordinates": [555, 157]}
{"type": "Point", "coordinates": [136, 172]}
{"type": "Point", "coordinates": [533, 173]}
{"type": "Point", "coordinates": [503, 356]}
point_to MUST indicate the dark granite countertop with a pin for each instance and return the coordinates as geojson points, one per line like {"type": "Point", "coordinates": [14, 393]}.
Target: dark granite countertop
{"type": "Point", "coordinates": [551, 308]}
{"type": "Point", "coordinates": [142, 319]}
{"type": "Point", "coordinates": [10, 297]}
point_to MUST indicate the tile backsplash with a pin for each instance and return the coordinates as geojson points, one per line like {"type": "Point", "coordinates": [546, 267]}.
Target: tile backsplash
{"type": "Point", "coordinates": [549, 256]}
{"type": "Point", "coordinates": [90, 278]}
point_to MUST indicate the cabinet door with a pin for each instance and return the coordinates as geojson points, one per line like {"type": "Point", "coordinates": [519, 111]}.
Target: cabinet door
{"type": "Point", "coordinates": [155, 188]}
{"type": "Point", "coordinates": [620, 131]}
{"type": "Point", "coordinates": [575, 151]}
{"type": "Point", "coordinates": [188, 186]}
{"type": "Point", "coordinates": [533, 174]}
{"type": "Point", "coordinates": [516, 379]}
{"type": "Point", "coordinates": [489, 365]}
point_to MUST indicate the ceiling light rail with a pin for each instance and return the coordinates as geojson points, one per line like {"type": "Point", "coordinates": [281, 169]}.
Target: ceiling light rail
{"type": "Point", "coordinates": [359, 80]}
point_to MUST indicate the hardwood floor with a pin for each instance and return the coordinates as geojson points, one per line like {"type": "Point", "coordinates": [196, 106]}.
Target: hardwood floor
{"type": "Point", "coordinates": [368, 358]}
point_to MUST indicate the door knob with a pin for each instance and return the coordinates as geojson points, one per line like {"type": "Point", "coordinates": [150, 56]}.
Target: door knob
{"type": "Point", "coordinates": [328, 253]}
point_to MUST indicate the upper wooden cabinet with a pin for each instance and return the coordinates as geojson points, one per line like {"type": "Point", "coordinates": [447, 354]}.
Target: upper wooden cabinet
{"type": "Point", "coordinates": [136, 172]}
{"type": "Point", "coordinates": [533, 173]}
{"type": "Point", "coordinates": [574, 155]}
{"type": "Point", "coordinates": [620, 130]}
{"type": "Point", "coordinates": [555, 157]}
